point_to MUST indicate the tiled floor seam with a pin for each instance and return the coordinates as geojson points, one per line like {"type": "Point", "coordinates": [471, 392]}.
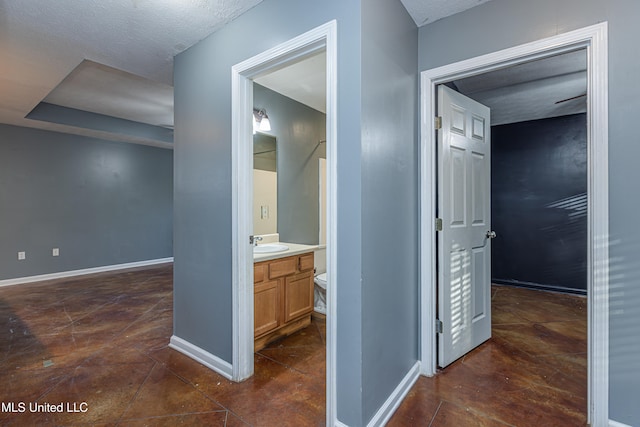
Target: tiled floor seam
{"type": "Point", "coordinates": [285, 365]}
{"type": "Point", "coordinates": [238, 416]}
{"type": "Point", "coordinates": [124, 330]}
{"type": "Point", "coordinates": [159, 417]}
{"type": "Point", "coordinates": [478, 413]}
{"type": "Point", "coordinates": [433, 418]}
{"type": "Point", "coordinates": [190, 383]}
{"type": "Point", "coordinates": [135, 395]}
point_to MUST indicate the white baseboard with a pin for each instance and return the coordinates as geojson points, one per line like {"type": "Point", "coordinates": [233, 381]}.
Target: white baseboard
{"type": "Point", "coordinates": [391, 404]}
{"type": "Point", "coordinates": [72, 273]}
{"type": "Point", "coordinates": [207, 359]}
{"type": "Point", "coordinates": [617, 424]}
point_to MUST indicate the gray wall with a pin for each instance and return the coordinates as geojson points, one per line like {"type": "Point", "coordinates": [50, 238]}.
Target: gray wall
{"type": "Point", "coordinates": [102, 203]}
{"type": "Point", "coordinates": [202, 161]}
{"type": "Point", "coordinates": [389, 199]}
{"type": "Point", "coordinates": [505, 23]}
{"type": "Point", "coordinates": [368, 367]}
{"type": "Point", "coordinates": [298, 130]}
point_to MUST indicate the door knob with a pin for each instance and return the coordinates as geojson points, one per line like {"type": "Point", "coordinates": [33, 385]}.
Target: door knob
{"type": "Point", "coordinates": [491, 235]}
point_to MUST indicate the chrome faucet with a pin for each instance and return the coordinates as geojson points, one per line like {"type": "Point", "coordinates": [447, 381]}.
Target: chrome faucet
{"type": "Point", "coordinates": [256, 239]}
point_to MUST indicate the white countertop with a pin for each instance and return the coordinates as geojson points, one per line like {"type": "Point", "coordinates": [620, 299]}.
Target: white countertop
{"type": "Point", "coordinates": [294, 249]}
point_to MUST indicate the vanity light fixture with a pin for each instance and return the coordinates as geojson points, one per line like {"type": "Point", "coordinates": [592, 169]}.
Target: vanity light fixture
{"type": "Point", "coordinates": [260, 120]}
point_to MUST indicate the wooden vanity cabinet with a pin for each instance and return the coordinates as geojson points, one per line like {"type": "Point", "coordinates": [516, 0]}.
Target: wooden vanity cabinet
{"type": "Point", "coordinates": [283, 297]}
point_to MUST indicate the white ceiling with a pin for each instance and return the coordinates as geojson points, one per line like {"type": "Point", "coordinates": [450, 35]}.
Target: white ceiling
{"type": "Point", "coordinates": [533, 90]}
{"type": "Point", "coordinates": [304, 81]}
{"type": "Point", "coordinates": [104, 90]}
{"type": "Point", "coordinates": [425, 12]}
{"type": "Point", "coordinates": [116, 57]}
{"type": "Point", "coordinates": [43, 41]}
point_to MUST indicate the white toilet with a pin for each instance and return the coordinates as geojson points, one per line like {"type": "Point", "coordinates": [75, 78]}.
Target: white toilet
{"type": "Point", "coordinates": [320, 293]}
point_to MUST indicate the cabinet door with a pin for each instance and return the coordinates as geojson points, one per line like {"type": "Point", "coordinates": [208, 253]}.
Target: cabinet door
{"type": "Point", "coordinates": [298, 295]}
{"type": "Point", "coordinates": [266, 307]}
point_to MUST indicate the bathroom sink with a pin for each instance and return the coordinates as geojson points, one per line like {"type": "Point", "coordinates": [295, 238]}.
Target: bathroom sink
{"type": "Point", "coordinates": [269, 247]}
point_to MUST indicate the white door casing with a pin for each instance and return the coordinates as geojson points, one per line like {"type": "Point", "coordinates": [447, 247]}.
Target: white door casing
{"type": "Point", "coordinates": [464, 245]}
{"type": "Point", "coordinates": [320, 38]}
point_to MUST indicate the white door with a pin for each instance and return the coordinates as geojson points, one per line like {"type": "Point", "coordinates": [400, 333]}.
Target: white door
{"type": "Point", "coordinates": [464, 244]}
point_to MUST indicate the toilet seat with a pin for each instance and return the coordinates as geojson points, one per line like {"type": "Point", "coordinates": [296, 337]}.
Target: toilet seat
{"type": "Point", "coordinates": [321, 280]}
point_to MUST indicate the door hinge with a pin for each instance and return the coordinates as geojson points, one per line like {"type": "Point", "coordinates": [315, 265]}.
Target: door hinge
{"type": "Point", "coordinates": [438, 122]}
{"type": "Point", "coordinates": [438, 224]}
{"type": "Point", "coordinates": [438, 326]}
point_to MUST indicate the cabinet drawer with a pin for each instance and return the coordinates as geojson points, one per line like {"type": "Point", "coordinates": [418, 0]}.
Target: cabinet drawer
{"type": "Point", "coordinates": [282, 267]}
{"type": "Point", "coordinates": [306, 262]}
{"type": "Point", "coordinates": [258, 273]}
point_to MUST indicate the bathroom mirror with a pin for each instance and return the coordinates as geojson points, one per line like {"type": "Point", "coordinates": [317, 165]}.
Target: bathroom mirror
{"type": "Point", "coordinates": [264, 152]}
{"type": "Point", "coordinates": [265, 184]}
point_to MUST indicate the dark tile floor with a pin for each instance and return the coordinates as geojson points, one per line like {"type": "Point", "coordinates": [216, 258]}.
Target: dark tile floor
{"type": "Point", "coordinates": [533, 371]}
{"type": "Point", "coordinates": [102, 339]}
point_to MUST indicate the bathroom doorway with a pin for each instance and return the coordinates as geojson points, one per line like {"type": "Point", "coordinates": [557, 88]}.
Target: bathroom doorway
{"type": "Point", "coordinates": [593, 39]}
{"type": "Point", "coordinates": [245, 74]}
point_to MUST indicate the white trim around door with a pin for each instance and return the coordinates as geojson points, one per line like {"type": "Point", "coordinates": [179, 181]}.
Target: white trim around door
{"type": "Point", "coordinates": [321, 38]}
{"type": "Point", "coordinates": [594, 40]}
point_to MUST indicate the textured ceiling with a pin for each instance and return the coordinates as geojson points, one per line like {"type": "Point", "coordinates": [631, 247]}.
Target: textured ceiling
{"type": "Point", "coordinates": [427, 11]}
{"type": "Point", "coordinates": [43, 41]}
{"type": "Point", "coordinates": [115, 58]}
{"type": "Point", "coordinates": [533, 90]}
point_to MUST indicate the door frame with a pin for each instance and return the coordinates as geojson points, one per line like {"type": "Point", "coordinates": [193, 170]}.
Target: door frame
{"type": "Point", "coordinates": [320, 38]}
{"type": "Point", "coordinates": [595, 40]}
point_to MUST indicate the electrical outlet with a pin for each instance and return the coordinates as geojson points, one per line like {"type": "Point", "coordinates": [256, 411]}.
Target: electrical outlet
{"type": "Point", "coordinates": [264, 212]}
{"type": "Point", "coordinates": [22, 256]}
{"type": "Point", "coordinates": [55, 252]}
